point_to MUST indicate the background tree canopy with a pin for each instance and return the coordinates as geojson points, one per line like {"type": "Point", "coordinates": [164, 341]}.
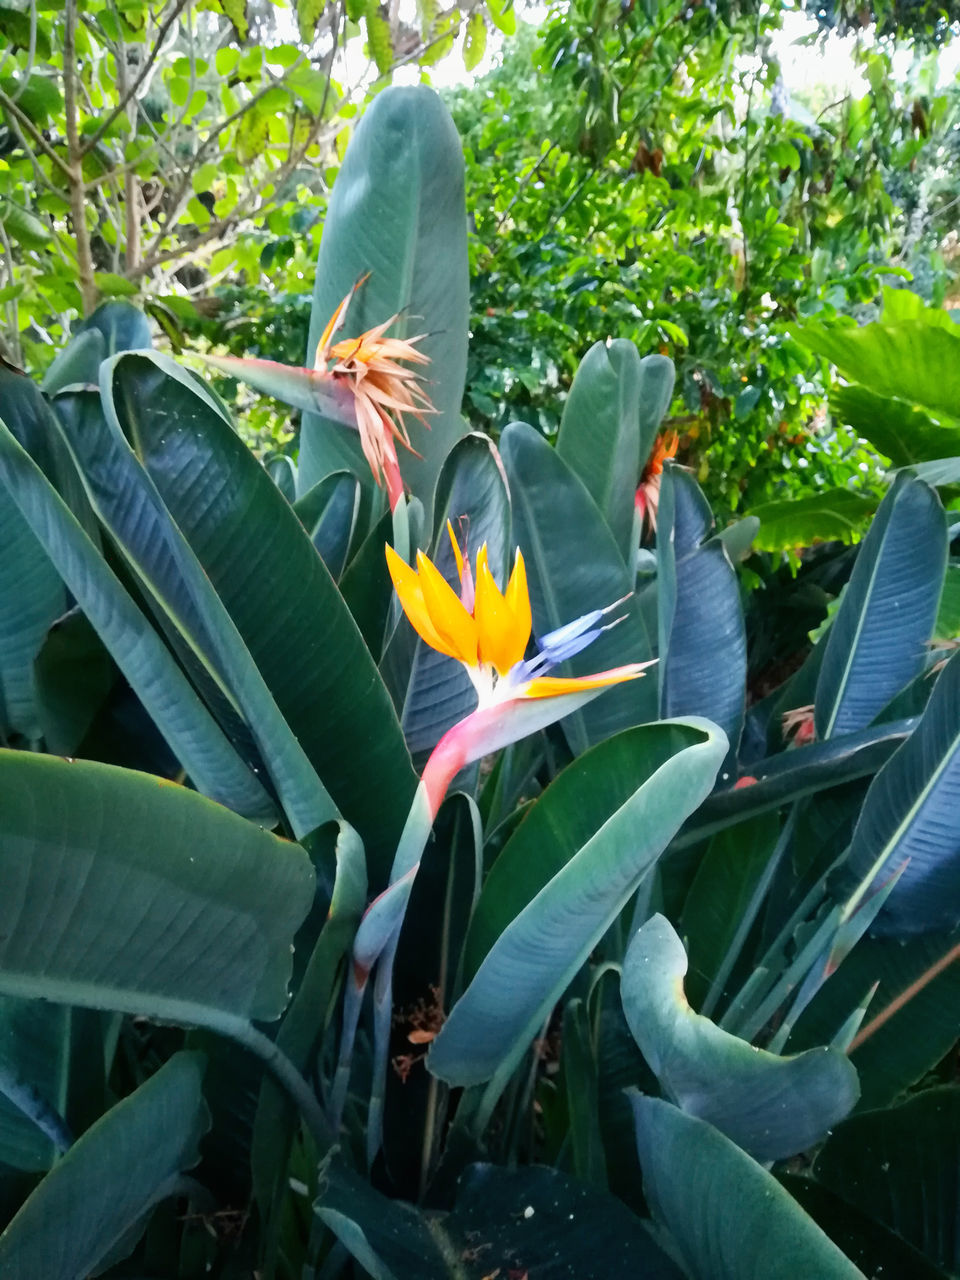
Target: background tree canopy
{"type": "Point", "coordinates": [635, 170]}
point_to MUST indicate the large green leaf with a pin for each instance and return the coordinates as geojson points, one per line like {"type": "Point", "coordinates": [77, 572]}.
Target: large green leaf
{"type": "Point", "coordinates": [599, 436]}
{"type": "Point", "coordinates": [573, 567]}
{"type": "Point", "coordinates": [272, 582]}
{"type": "Point", "coordinates": [31, 598]}
{"type": "Point", "coordinates": [729, 1218]}
{"type": "Point", "coordinates": [770, 1106]}
{"type": "Point", "coordinates": [196, 739]}
{"type": "Point", "coordinates": [531, 1221]}
{"type": "Point", "coordinates": [722, 889]}
{"type": "Point", "coordinates": [100, 1193]}
{"type": "Point", "coordinates": [785, 524]}
{"type": "Point", "coordinates": [702, 641]}
{"type": "Point", "coordinates": [913, 1020]}
{"type": "Point", "coordinates": [398, 212]}
{"type": "Point", "coordinates": [576, 805]}
{"type": "Point", "coordinates": [913, 360]}
{"type": "Point", "coordinates": [875, 1249]}
{"type": "Point", "coordinates": [909, 820]}
{"type": "Point", "coordinates": [122, 891]}
{"type": "Point", "coordinates": [878, 640]}
{"type": "Point", "coordinates": [34, 1062]}
{"type": "Point", "coordinates": [540, 951]}
{"type": "Point", "coordinates": [901, 1167]}
{"type": "Point", "coordinates": [898, 429]}
{"type": "Point", "coordinates": [129, 505]}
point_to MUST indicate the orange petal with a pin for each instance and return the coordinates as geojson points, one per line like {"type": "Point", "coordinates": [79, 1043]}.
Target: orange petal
{"type": "Point", "coordinates": [518, 598]}
{"type": "Point", "coordinates": [450, 619]}
{"type": "Point", "coordinates": [406, 583]}
{"type": "Point", "coordinates": [501, 637]}
{"type": "Point", "coordinates": [554, 686]}
{"type": "Point", "coordinates": [456, 550]}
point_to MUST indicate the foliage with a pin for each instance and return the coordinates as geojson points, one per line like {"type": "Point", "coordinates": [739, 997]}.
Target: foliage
{"type": "Point", "coordinates": [680, 199]}
{"type": "Point", "coordinates": [154, 149]}
{"type": "Point", "coordinates": [405, 992]}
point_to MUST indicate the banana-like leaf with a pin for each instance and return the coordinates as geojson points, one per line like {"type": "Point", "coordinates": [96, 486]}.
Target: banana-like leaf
{"type": "Point", "coordinates": [122, 891]}
{"type": "Point", "coordinates": [572, 810]}
{"type": "Point", "coordinates": [304, 1023]}
{"type": "Point", "coordinates": [791, 775]}
{"type": "Point", "coordinates": [900, 1166]}
{"type": "Point", "coordinates": [34, 1063]}
{"type": "Point", "coordinates": [878, 640]}
{"type": "Point", "coordinates": [875, 1249]}
{"type": "Point", "coordinates": [574, 566]}
{"type": "Point", "coordinates": [31, 598]}
{"type": "Point", "coordinates": [329, 514]}
{"type": "Point", "coordinates": [540, 951]}
{"type": "Point", "coordinates": [259, 565]}
{"type": "Point", "coordinates": [94, 1204]}
{"type": "Point", "coordinates": [129, 505]}
{"type": "Point", "coordinates": [599, 436]}
{"type": "Point", "coordinates": [657, 378]}
{"type": "Point", "coordinates": [195, 738]}
{"type": "Point", "coordinates": [909, 817]}
{"type": "Point", "coordinates": [770, 1106]}
{"type": "Point", "coordinates": [914, 360]}
{"type": "Point", "coordinates": [534, 1220]}
{"type": "Point", "coordinates": [788, 523]}
{"type": "Point", "coordinates": [728, 1217]}
{"type": "Point", "coordinates": [702, 645]}
{"type": "Point", "coordinates": [433, 691]}
{"type": "Point", "coordinates": [398, 212]}
{"type": "Point", "coordinates": [912, 1022]}
{"type": "Point", "coordinates": [896, 428]}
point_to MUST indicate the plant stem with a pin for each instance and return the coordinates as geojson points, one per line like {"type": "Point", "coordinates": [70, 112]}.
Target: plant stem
{"type": "Point", "coordinates": [286, 1075]}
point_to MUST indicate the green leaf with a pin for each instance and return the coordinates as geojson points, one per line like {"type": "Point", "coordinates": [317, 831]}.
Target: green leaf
{"type": "Point", "coordinates": [540, 951]}
{"type": "Point", "coordinates": [23, 228]}
{"type": "Point", "coordinates": [35, 1058]}
{"type": "Point", "coordinates": [580, 1088]}
{"type": "Point", "coordinates": [912, 360]}
{"type": "Point", "coordinates": [728, 1217]}
{"type": "Point", "coordinates": [839, 514]}
{"type": "Point", "coordinates": [398, 211]}
{"type": "Point", "coordinates": [874, 1248]}
{"type": "Point", "coordinates": [504, 15]}
{"type": "Point", "coordinates": [101, 1192]}
{"type": "Point", "coordinates": [720, 893]}
{"type": "Point", "coordinates": [913, 1020]}
{"type": "Point", "coordinates": [95, 916]}
{"type": "Point", "coordinates": [129, 505]}
{"type": "Point", "coordinates": [534, 1219]}
{"type": "Point", "coordinates": [287, 609]}
{"type": "Point", "coordinates": [236, 11]}
{"type": "Point", "coordinates": [879, 637]}
{"type": "Point", "coordinates": [574, 566]}
{"type": "Point", "coordinates": [572, 810]}
{"type": "Point", "coordinates": [895, 427]}
{"type": "Point", "coordinates": [599, 437]}
{"type": "Point", "coordinates": [475, 43]}
{"type": "Point", "coordinates": [31, 598]}
{"type": "Point", "coordinates": [38, 97]}
{"type": "Point", "coordinates": [900, 1166]}
{"type": "Point", "coordinates": [194, 736]}
{"type": "Point", "coordinates": [908, 820]}
{"type": "Point", "coordinates": [304, 1024]}
{"type": "Point", "coordinates": [702, 640]}
{"type": "Point", "coordinates": [770, 1106]}
{"type": "Point", "coordinates": [380, 42]}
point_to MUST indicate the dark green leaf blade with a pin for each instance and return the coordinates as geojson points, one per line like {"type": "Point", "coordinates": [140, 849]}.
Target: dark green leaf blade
{"type": "Point", "coordinates": [103, 1188]}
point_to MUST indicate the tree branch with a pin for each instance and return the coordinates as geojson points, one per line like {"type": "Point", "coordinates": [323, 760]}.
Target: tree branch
{"type": "Point", "coordinates": [142, 74]}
